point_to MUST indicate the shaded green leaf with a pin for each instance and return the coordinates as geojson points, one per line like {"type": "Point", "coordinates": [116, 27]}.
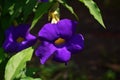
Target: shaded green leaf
{"type": "Point", "coordinates": [28, 8]}
{"type": "Point", "coordinates": [94, 10]}
{"type": "Point", "coordinates": [31, 71]}
{"type": "Point", "coordinates": [6, 6]}
{"type": "Point", "coordinates": [11, 11]}
{"type": "Point", "coordinates": [41, 10]}
{"type": "Point", "coordinates": [2, 55]}
{"type": "Point", "coordinates": [17, 63]}
{"type": "Point", "coordinates": [17, 10]}
{"type": "Point", "coordinates": [69, 8]}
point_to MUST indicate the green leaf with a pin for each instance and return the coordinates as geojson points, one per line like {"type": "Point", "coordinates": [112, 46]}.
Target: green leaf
{"type": "Point", "coordinates": [94, 10]}
{"type": "Point", "coordinates": [69, 8]}
{"type": "Point", "coordinates": [28, 8]}
{"type": "Point", "coordinates": [11, 11]}
{"type": "Point", "coordinates": [17, 10]}
{"type": "Point", "coordinates": [6, 6]}
{"type": "Point", "coordinates": [17, 63]}
{"type": "Point", "coordinates": [2, 55]}
{"type": "Point", "coordinates": [41, 10]}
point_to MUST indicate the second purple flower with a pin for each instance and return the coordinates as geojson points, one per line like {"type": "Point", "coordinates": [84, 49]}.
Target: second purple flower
{"type": "Point", "coordinates": [18, 38]}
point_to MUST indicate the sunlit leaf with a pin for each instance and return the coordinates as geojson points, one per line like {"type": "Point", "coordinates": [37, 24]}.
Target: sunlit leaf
{"type": "Point", "coordinates": [94, 10]}
{"type": "Point", "coordinates": [17, 63]}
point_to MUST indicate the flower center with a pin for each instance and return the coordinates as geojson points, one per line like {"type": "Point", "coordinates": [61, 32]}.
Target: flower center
{"type": "Point", "coordinates": [20, 39]}
{"type": "Point", "coordinates": [59, 41]}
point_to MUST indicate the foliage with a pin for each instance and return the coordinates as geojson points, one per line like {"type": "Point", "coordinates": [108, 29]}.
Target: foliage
{"type": "Point", "coordinates": [14, 12]}
{"type": "Point", "coordinates": [17, 63]}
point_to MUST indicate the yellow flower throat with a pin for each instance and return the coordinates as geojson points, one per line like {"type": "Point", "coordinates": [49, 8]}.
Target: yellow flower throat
{"type": "Point", "coordinates": [59, 41]}
{"type": "Point", "coordinates": [20, 39]}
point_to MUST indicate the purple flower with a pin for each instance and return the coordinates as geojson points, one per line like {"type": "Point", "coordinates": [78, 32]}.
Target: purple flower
{"type": "Point", "coordinates": [18, 38]}
{"type": "Point", "coordinates": [59, 40]}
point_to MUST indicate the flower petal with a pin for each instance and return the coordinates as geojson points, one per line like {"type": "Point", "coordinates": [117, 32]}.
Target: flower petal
{"type": "Point", "coordinates": [66, 28]}
{"type": "Point", "coordinates": [14, 47]}
{"type": "Point", "coordinates": [62, 55]}
{"type": "Point", "coordinates": [76, 43]}
{"type": "Point", "coordinates": [49, 32]}
{"type": "Point", "coordinates": [16, 31]}
{"type": "Point", "coordinates": [44, 51]}
{"type": "Point", "coordinates": [10, 47]}
{"type": "Point", "coordinates": [30, 37]}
